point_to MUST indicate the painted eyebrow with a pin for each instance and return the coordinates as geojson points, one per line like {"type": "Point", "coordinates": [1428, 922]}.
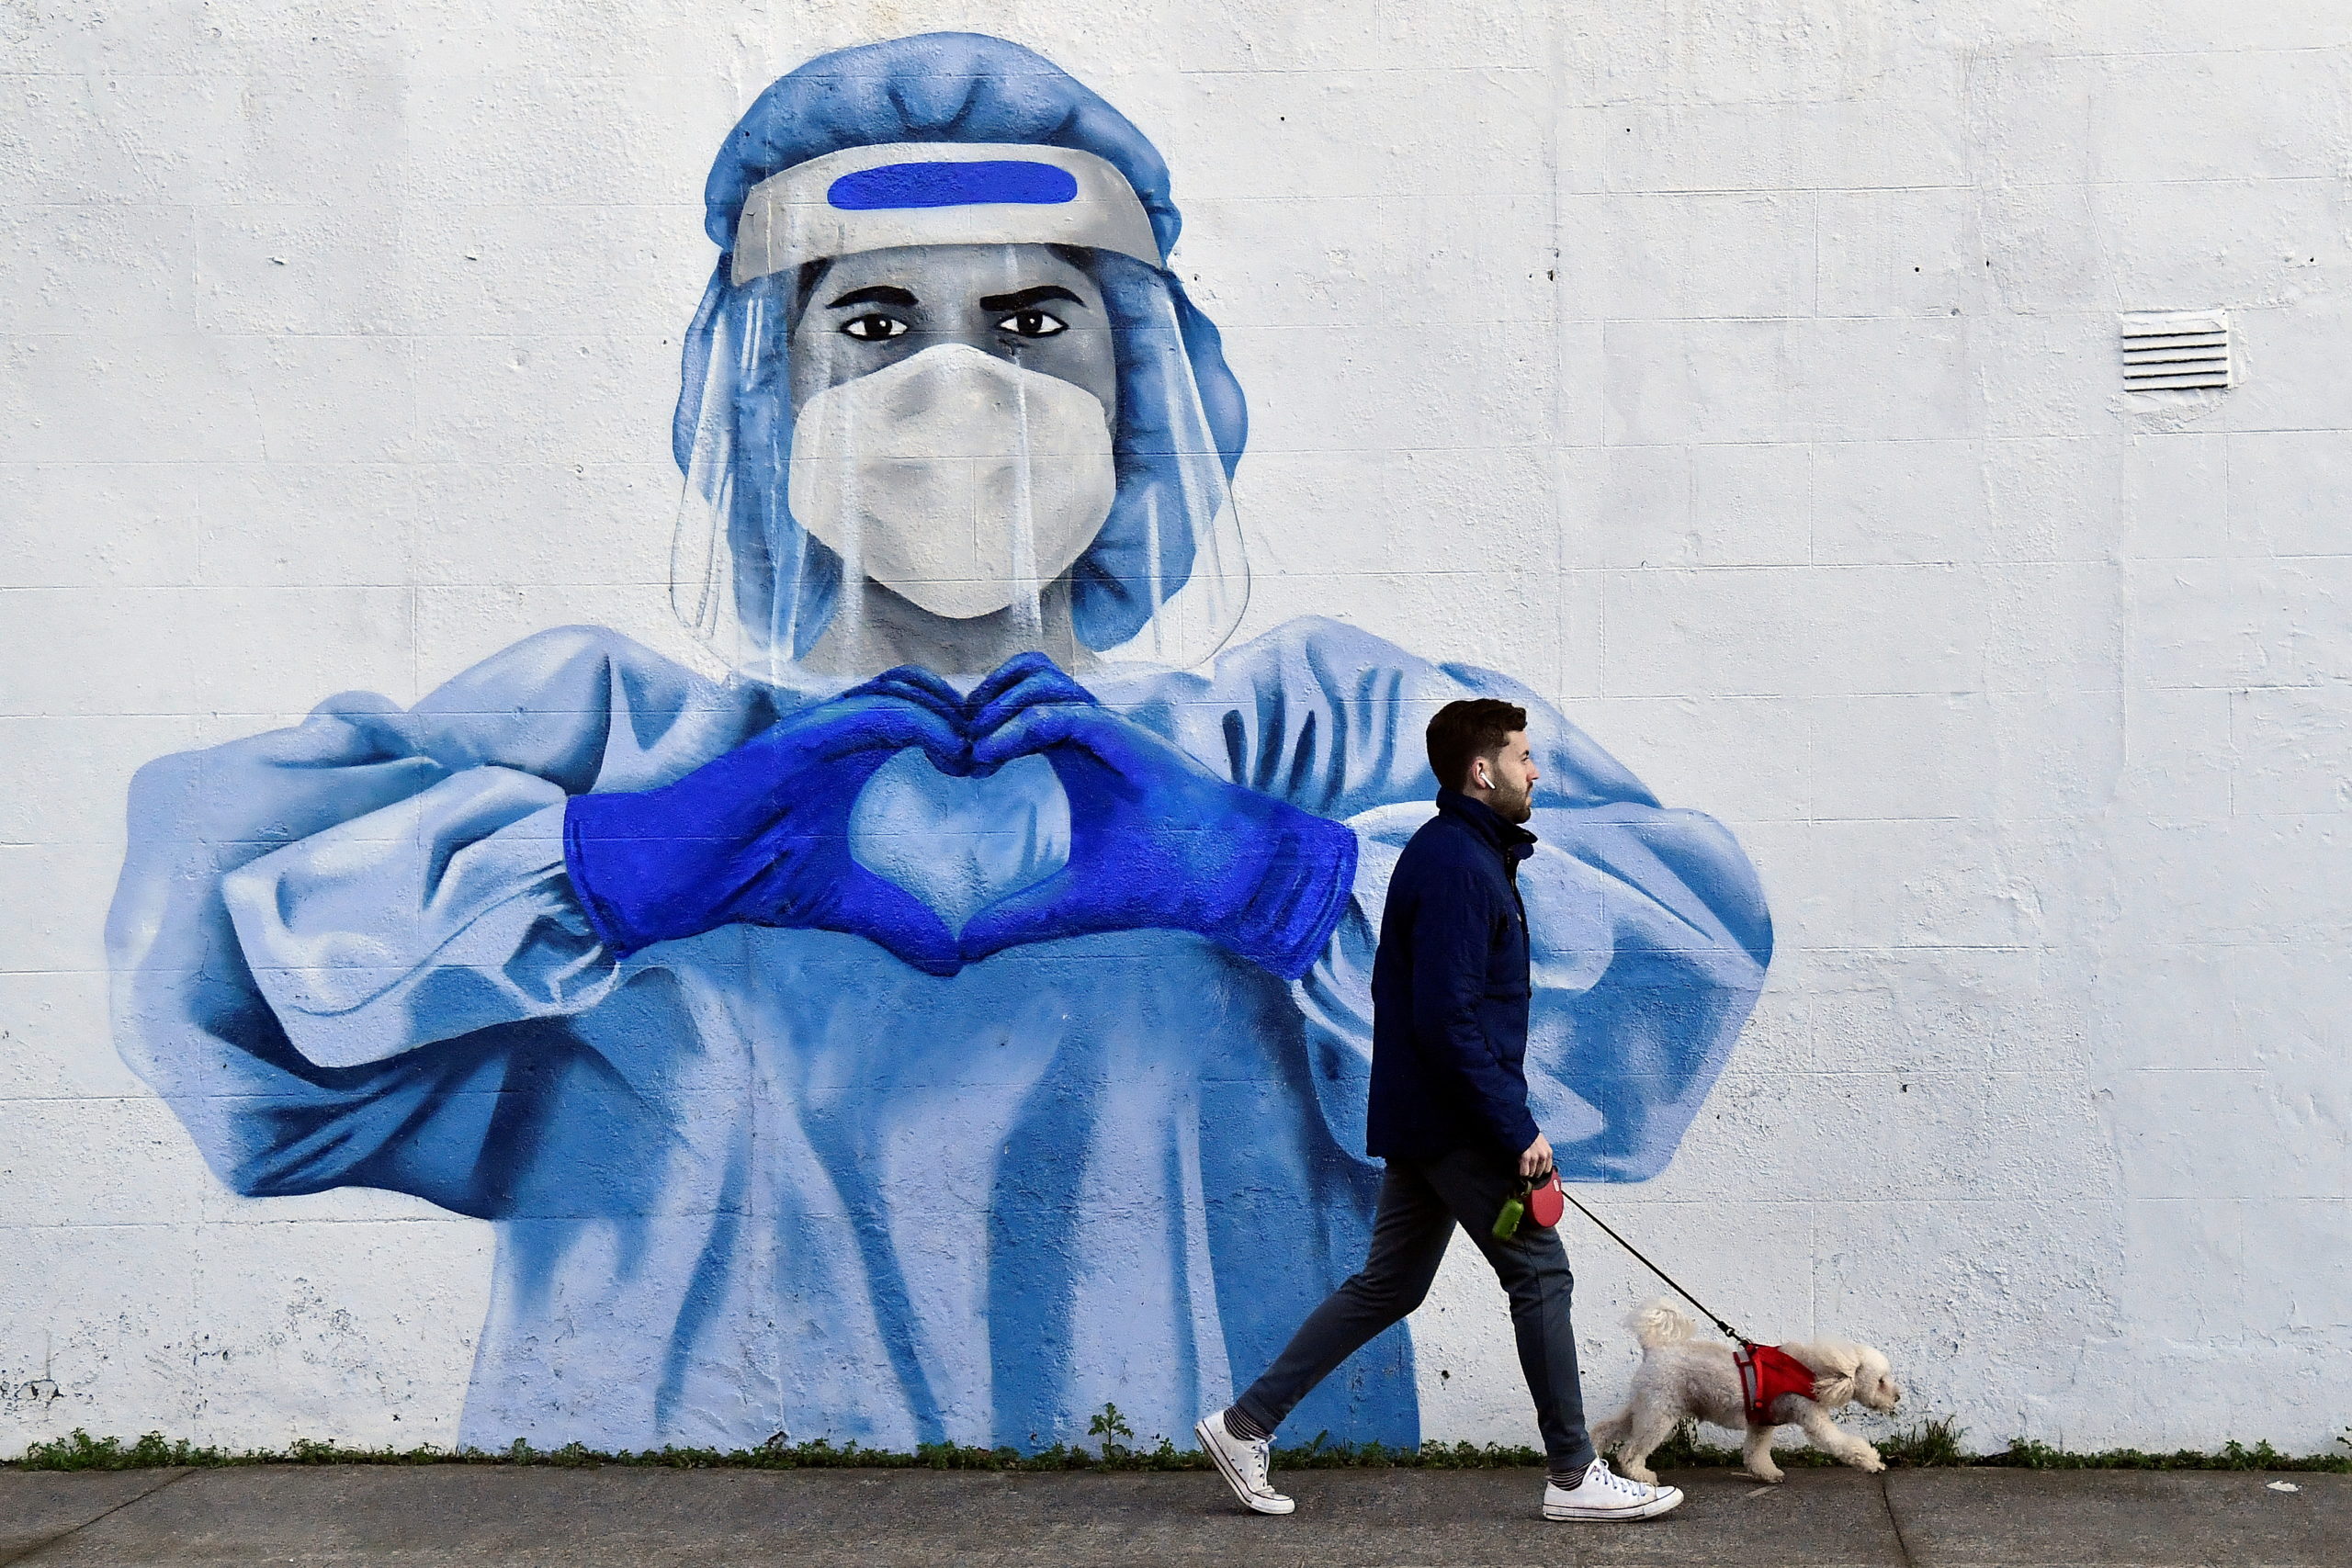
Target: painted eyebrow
{"type": "Point", "coordinates": [881, 294]}
{"type": "Point", "coordinates": [1028, 297]}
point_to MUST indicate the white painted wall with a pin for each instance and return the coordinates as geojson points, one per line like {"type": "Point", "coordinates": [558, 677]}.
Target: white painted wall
{"type": "Point", "coordinates": [1743, 376]}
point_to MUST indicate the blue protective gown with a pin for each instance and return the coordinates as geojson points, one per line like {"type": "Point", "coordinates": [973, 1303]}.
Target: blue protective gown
{"type": "Point", "coordinates": [769, 1180]}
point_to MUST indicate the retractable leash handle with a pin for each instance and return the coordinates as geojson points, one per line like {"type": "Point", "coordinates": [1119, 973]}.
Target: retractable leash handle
{"type": "Point", "coordinates": [1729, 1332]}
{"type": "Point", "coordinates": [1544, 1202]}
{"type": "Point", "coordinates": [1537, 1201]}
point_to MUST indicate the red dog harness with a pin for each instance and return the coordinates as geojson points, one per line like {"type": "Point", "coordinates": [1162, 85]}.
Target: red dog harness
{"type": "Point", "coordinates": [1766, 1372]}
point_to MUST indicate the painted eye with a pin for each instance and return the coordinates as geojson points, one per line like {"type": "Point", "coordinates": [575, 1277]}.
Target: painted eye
{"type": "Point", "coordinates": [1033, 323]}
{"type": "Point", "coordinates": [873, 329]}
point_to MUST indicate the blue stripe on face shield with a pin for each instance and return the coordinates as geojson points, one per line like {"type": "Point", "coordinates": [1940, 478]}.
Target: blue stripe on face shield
{"type": "Point", "coordinates": [952, 184]}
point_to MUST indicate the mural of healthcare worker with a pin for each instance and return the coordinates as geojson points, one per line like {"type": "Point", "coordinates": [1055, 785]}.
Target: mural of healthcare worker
{"type": "Point", "coordinates": [958, 1018]}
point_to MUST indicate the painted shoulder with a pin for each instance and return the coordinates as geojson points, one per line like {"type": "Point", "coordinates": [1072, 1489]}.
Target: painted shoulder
{"type": "Point", "coordinates": [1383, 689]}
{"type": "Point", "coordinates": [578, 706]}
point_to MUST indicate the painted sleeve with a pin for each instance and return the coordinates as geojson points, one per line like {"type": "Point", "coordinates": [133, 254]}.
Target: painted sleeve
{"type": "Point", "coordinates": [365, 814]}
{"type": "Point", "coordinates": [1649, 943]}
{"type": "Point", "coordinates": [421, 921]}
{"type": "Point", "coordinates": [1648, 930]}
{"type": "Point", "coordinates": [1331, 719]}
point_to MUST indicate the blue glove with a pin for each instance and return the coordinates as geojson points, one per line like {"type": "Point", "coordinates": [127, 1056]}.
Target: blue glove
{"type": "Point", "coordinates": [1024, 681]}
{"type": "Point", "coordinates": [761, 835]}
{"type": "Point", "coordinates": [1156, 840]}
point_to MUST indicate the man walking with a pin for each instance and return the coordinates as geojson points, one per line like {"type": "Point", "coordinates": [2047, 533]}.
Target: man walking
{"type": "Point", "coordinates": [1449, 1114]}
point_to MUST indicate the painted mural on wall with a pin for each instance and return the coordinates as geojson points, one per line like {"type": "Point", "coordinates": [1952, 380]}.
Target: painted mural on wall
{"type": "Point", "coordinates": [958, 1018]}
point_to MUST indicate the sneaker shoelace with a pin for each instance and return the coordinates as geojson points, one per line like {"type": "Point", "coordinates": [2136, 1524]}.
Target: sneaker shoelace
{"type": "Point", "coordinates": [1262, 1465]}
{"type": "Point", "coordinates": [1625, 1484]}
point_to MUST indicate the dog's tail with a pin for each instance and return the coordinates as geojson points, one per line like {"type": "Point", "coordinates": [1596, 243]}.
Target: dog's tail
{"type": "Point", "coordinates": [1658, 1323]}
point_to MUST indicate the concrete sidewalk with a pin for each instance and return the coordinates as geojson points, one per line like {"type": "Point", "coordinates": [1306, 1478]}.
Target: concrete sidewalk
{"type": "Point", "coordinates": [457, 1515]}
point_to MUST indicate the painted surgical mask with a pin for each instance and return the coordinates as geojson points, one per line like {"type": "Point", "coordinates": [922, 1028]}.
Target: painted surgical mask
{"type": "Point", "coordinates": [954, 478]}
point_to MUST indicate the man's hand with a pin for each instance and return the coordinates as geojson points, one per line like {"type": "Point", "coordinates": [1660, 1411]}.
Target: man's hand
{"type": "Point", "coordinates": [1535, 1161]}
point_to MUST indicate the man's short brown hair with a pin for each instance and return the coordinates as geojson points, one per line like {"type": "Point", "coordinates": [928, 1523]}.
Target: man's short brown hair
{"type": "Point", "coordinates": [1461, 733]}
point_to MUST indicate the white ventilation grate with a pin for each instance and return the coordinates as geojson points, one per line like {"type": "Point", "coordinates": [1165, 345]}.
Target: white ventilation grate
{"type": "Point", "coordinates": [2168, 350]}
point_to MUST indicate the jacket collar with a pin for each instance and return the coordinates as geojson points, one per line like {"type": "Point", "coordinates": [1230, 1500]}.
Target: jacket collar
{"type": "Point", "coordinates": [1508, 839]}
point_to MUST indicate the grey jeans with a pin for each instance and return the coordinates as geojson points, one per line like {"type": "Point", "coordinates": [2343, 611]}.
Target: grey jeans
{"type": "Point", "coordinates": [1421, 1201]}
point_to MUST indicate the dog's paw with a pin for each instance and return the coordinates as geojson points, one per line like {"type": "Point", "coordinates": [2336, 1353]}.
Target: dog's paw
{"type": "Point", "coordinates": [1640, 1472]}
{"type": "Point", "coordinates": [1868, 1460]}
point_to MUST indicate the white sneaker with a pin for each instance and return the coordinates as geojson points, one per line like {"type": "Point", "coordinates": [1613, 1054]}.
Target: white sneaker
{"type": "Point", "coordinates": [1605, 1494]}
{"type": "Point", "coordinates": [1242, 1464]}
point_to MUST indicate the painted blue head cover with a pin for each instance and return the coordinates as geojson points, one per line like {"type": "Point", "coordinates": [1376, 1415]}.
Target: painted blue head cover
{"type": "Point", "coordinates": [745, 574]}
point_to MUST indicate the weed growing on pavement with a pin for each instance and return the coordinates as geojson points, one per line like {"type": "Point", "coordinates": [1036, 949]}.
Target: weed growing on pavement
{"type": "Point", "coordinates": [79, 1451]}
{"type": "Point", "coordinates": [1109, 1426]}
{"type": "Point", "coordinates": [1939, 1443]}
{"type": "Point", "coordinates": [1932, 1443]}
{"type": "Point", "coordinates": [2026, 1454]}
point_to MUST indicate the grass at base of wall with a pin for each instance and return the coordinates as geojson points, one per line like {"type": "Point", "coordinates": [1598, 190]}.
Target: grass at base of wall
{"type": "Point", "coordinates": [1936, 1443]}
{"type": "Point", "coordinates": [1930, 1444]}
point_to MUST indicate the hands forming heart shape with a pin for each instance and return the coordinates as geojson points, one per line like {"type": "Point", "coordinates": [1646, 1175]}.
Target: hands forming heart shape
{"type": "Point", "coordinates": [1157, 841]}
{"type": "Point", "coordinates": [1023, 681]}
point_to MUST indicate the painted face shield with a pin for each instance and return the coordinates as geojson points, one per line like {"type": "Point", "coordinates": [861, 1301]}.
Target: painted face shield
{"type": "Point", "coordinates": [944, 384]}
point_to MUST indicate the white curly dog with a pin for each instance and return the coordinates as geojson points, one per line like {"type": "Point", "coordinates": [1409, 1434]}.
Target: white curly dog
{"type": "Point", "coordinates": [1679, 1379]}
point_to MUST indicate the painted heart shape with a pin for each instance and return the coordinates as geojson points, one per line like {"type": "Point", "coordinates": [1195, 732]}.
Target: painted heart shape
{"type": "Point", "coordinates": [959, 844]}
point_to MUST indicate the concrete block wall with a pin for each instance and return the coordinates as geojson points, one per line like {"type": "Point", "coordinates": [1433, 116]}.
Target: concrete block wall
{"type": "Point", "coordinates": [1745, 381]}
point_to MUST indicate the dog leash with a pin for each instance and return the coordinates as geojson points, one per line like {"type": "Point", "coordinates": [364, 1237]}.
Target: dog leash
{"type": "Point", "coordinates": [1729, 1332]}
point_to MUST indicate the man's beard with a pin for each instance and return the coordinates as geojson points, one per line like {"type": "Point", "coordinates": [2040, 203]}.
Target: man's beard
{"type": "Point", "coordinates": [1513, 808]}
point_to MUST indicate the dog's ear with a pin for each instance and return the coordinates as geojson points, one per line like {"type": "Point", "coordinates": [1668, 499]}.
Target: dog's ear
{"type": "Point", "coordinates": [1835, 1364]}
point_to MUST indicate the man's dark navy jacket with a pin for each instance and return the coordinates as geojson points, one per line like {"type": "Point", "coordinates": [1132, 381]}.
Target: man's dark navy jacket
{"type": "Point", "coordinates": [1450, 991]}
